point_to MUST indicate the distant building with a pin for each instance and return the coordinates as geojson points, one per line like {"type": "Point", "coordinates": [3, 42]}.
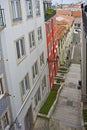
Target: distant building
{"type": "Point", "coordinates": [64, 25]}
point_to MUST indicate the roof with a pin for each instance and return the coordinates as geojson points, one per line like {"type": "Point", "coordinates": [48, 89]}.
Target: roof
{"type": "Point", "coordinates": [60, 31]}
{"type": "Point", "coordinates": [65, 20]}
{"type": "Point", "coordinates": [63, 12]}
{"type": "Point", "coordinates": [63, 23]}
{"type": "Point", "coordinates": [76, 13]}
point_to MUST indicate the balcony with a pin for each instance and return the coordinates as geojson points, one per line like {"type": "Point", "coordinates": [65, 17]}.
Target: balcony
{"type": "Point", "coordinates": [2, 19]}
{"type": "Point", "coordinates": [3, 103]}
{"type": "Point", "coordinates": [49, 13]}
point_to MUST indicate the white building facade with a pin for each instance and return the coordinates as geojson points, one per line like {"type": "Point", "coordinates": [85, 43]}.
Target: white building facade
{"type": "Point", "coordinates": [24, 45]}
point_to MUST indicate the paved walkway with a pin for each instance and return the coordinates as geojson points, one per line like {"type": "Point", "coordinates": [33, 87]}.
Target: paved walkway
{"type": "Point", "coordinates": [67, 114]}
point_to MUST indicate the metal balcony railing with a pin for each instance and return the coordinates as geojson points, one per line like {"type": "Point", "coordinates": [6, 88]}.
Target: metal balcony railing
{"type": "Point", "coordinates": [2, 19]}
{"type": "Point", "coordinates": [3, 104]}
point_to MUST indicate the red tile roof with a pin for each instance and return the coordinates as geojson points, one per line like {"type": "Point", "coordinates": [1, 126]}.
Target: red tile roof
{"type": "Point", "coordinates": [62, 12]}
{"type": "Point", "coordinates": [63, 23]}
{"type": "Point", "coordinates": [60, 31]}
{"type": "Point", "coordinates": [76, 13]}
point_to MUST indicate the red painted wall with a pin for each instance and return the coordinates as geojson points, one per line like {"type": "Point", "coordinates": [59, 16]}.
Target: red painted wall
{"type": "Point", "coordinates": [51, 46]}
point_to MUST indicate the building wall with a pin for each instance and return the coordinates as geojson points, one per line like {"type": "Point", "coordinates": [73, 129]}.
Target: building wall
{"type": "Point", "coordinates": [4, 99]}
{"type": "Point", "coordinates": [51, 48]}
{"type": "Point", "coordinates": [15, 71]}
{"type": "Point", "coordinates": [83, 58]}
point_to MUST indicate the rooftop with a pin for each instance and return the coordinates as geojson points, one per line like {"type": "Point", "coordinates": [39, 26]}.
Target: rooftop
{"type": "Point", "coordinates": [76, 13]}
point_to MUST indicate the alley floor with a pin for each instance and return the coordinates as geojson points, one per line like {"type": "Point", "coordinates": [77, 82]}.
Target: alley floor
{"type": "Point", "coordinates": [67, 114]}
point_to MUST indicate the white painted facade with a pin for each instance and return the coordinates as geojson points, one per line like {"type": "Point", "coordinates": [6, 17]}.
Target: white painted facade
{"type": "Point", "coordinates": [15, 70]}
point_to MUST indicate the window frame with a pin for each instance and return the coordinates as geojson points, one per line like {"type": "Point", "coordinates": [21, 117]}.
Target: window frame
{"type": "Point", "coordinates": [44, 84]}
{"type": "Point", "coordinates": [28, 6]}
{"type": "Point", "coordinates": [39, 33]}
{"type": "Point", "coordinates": [1, 86]}
{"type": "Point", "coordinates": [42, 59]}
{"type": "Point", "coordinates": [25, 86]}
{"type": "Point", "coordinates": [37, 97]}
{"type": "Point", "coordinates": [20, 49]}
{"type": "Point", "coordinates": [37, 3]}
{"type": "Point", "coordinates": [31, 36]}
{"type": "Point", "coordinates": [16, 10]}
{"type": "Point", "coordinates": [3, 124]}
{"type": "Point", "coordinates": [35, 71]}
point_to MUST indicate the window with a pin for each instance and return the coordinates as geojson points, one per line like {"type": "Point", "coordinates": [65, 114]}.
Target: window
{"type": "Point", "coordinates": [1, 87]}
{"type": "Point", "coordinates": [78, 24]}
{"type": "Point", "coordinates": [29, 8]}
{"type": "Point", "coordinates": [20, 48]}
{"type": "Point", "coordinates": [16, 10]}
{"type": "Point", "coordinates": [37, 97]}
{"type": "Point", "coordinates": [42, 59]}
{"type": "Point", "coordinates": [43, 84]}
{"type": "Point", "coordinates": [4, 122]}
{"type": "Point", "coordinates": [37, 7]}
{"type": "Point", "coordinates": [39, 32]}
{"type": "Point", "coordinates": [32, 39]}
{"type": "Point", "coordinates": [25, 85]}
{"type": "Point", "coordinates": [35, 70]}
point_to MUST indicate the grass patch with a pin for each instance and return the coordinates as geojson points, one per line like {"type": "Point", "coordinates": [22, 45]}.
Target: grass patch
{"type": "Point", "coordinates": [48, 103]}
{"type": "Point", "coordinates": [63, 69]}
{"type": "Point", "coordinates": [85, 115]}
{"type": "Point", "coordinates": [62, 72]}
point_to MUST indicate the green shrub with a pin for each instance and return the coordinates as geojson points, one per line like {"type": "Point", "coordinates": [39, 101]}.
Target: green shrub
{"type": "Point", "coordinates": [63, 69]}
{"type": "Point", "coordinates": [55, 87]}
{"type": "Point", "coordinates": [49, 11]}
{"type": "Point", "coordinates": [60, 80]}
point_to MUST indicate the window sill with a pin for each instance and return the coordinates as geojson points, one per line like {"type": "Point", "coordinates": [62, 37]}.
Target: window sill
{"type": "Point", "coordinates": [1, 96]}
{"type": "Point", "coordinates": [16, 21]}
{"type": "Point", "coordinates": [38, 15]}
{"type": "Point", "coordinates": [31, 49]}
{"type": "Point", "coordinates": [7, 128]}
{"type": "Point", "coordinates": [21, 59]}
{"type": "Point", "coordinates": [25, 96]}
{"type": "Point", "coordinates": [35, 79]}
{"type": "Point", "coordinates": [40, 41]}
{"type": "Point", "coordinates": [29, 16]}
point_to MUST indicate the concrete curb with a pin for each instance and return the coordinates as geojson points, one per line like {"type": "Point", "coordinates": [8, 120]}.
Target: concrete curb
{"type": "Point", "coordinates": [53, 106]}
{"type": "Point", "coordinates": [82, 122]}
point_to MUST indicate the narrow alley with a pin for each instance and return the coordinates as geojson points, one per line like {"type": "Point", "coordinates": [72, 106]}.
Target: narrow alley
{"type": "Point", "coordinates": [68, 112]}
